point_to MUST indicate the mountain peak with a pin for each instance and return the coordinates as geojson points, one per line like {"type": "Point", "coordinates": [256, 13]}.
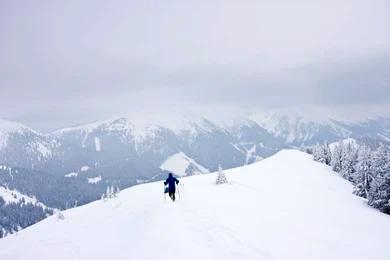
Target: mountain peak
{"type": "Point", "coordinates": [11, 126]}
{"type": "Point", "coordinates": [8, 128]}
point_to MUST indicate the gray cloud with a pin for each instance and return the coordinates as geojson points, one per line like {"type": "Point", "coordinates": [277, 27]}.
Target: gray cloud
{"type": "Point", "coordinates": [71, 62]}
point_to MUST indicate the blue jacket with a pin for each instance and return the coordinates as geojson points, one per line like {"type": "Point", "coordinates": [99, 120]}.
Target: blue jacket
{"type": "Point", "coordinates": [171, 181]}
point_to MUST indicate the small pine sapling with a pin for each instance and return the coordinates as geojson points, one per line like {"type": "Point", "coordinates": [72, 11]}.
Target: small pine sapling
{"type": "Point", "coordinates": [221, 178]}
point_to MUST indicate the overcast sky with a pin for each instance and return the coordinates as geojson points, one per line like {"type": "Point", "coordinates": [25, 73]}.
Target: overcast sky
{"type": "Point", "coordinates": [70, 62]}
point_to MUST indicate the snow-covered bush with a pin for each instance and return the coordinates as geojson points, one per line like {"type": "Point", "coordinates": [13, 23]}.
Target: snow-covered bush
{"type": "Point", "coordinates": [221, 178]}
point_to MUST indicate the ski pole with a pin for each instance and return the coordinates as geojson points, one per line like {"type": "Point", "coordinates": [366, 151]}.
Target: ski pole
{"type": "Point", "coordinates": [165, 197]}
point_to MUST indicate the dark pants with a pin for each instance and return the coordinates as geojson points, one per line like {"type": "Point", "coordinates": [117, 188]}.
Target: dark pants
{"type": "Point", "coordinates": [172, 194]}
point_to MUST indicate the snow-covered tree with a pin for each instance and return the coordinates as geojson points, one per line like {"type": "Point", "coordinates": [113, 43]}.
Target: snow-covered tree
{"type": "Point", "coordinates": [336, 157]}
{"type": "Point", "coordinates": [108, 192]}
{"type": "Point", "coordinates": [368, 170]}
{"type": "Point", "coordinates": [117, 191]}
{"type": "Point", "coordinates": [327, 154]}
{"type": "Point", "coordinates": [363, 176]}
{"type": "Point", "coordinates": [321, 153]}
{"type": "Point", "coordinates": [111, 192]}
{"type": "Point", "coordinates": [221, 179]}
{"type": "Point", "coordinates": [348, 161]}
{"type": "Point", "coordinates": [318, 154]}
{"type": "Point", "coordinates": [379, 193]}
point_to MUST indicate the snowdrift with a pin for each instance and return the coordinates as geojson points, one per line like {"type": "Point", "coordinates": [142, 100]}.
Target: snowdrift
{"type": "Point", "coordinates": [286, 206]}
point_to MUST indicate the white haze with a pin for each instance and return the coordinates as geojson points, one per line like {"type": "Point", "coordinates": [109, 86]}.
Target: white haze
{"type": "Point", "coordinates": [67, 63]}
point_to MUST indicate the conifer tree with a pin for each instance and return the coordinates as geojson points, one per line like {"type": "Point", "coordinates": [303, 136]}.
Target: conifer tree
{"type": "Point", "coordinates": [348, 161]}
{"type": "Point", "coordinates": [363, 176]}
{"type": "Point", "coordinates": [336, 157]}
{"type": "Point", "coordinates": [379, 193]}
{"type": "Point", "coordinates": [221, 179]}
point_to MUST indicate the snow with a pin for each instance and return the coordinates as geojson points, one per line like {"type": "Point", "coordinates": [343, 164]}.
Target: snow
{"type": "Point", "coordinates": [250, 154]}
{"type": "Point", "coordinates": [284, 207]}
{"type": "Point", "coordinates": [75, 174]}
{"type": "Point", "coordinates": [40, 150]}
{"type": "Point", "coordinates": [7, 128]}
{"type": "Point", "coordinates": [84, 168]}
{"type": "Point", "coordinates": [142, 133]}
{"type": "Point", "coordinates": [350, 141]}
{"type": "Point", "coordinates": [44, 150]}
{"type": "Point", "coordinates": [147, 127]}
{"type": "Point", "coordinates": [179, 164]}
{"type": "Point", "coordinates": [70, 175]}
{"type": "Point", "coordinates": [4, 167]}
{"type": "Point", "coordinates": [94, 180]}
{"type": "Point", "coordinates": [296, 125]}
{"type": "Point", "coordinates": [385, 138]}
{"type": "Point", "coordinates": [98, 146]}
{"type": "Point", "coordinates": [14, 196]}
{"type": "Point", "coordinates": [88, 128]}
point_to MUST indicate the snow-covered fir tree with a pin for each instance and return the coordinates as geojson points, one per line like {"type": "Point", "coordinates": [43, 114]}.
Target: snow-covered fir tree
{"type": "Point", "coordinates": [321, 153]}
{"type": "Point", "coordinates": [117, 191]}
{"type": "Point", "coordinates": [368, 170]}
{"type": "Point", "coordinates": [379, 193]}
{"type": "Point", "coordinates": [221, 178]}
{"type": "Point", "coordinates": [348, 161]}
{"type": "Point", "coordinates": [111, 192]}
{"type": "Point", "coordinates": [363, 175]}
{"type": "Point", "coordinates": [336, 157]}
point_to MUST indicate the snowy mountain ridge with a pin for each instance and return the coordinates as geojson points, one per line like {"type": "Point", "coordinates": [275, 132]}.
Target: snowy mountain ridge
{"type": "Point", "coordinates": [313, 215]}
{"type": "Point", "coordinates": [292, 126]}
{"type": "Point", "coordinates": [14, 196]}
{"type": "Point", "coordinates": [298, 130]}
{"type": "Point", "coordinates": [8, 128]}
{"type": "Point", "coordinates": [135, 141]}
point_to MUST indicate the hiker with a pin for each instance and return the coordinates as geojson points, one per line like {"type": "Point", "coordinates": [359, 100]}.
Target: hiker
{"type": "Point", "coordinates": [171, 185]}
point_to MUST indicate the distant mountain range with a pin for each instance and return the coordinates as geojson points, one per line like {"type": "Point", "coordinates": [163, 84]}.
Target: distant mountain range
{"type": "Point", "coordinates": [119, 150]}
{"type": "Point", "coordinates": [75, 165]}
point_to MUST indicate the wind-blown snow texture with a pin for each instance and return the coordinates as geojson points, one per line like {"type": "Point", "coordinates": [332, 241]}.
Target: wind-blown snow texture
{"type": "Point", "coordinates": [286, 206]}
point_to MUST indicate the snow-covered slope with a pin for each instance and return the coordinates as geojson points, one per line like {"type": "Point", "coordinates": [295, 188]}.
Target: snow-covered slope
{"type": "Point", "coordinates": [8, 128]}
{"type": "Point", "coordinates": [22, 146]}
{"type": "Point", "coordinates": [182, 165]}
{"type": "Point", "coordinates": [14, 196]}
{"type": "Point", "coordinates": [286, 206]}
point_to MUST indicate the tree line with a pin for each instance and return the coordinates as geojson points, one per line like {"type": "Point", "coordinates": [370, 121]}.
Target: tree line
{"type": "Point", "coordinates": [367, 168]}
